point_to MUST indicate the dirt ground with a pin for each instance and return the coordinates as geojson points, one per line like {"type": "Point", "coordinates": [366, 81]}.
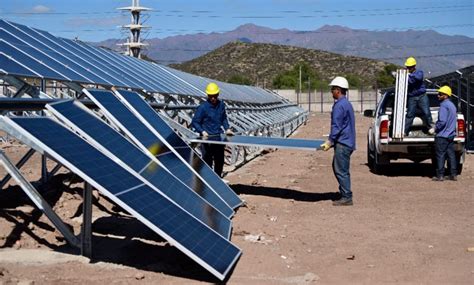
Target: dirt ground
{"type": "Point", "coordinates": [403, 228]}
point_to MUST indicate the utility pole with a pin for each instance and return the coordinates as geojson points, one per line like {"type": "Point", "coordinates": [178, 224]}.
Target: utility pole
{"type": "Point", "coordinates": [134, 44]}
{"type": "Point", "coordinates": [299, 89]}
{"type": "Point", "coordinates": [309, 94]}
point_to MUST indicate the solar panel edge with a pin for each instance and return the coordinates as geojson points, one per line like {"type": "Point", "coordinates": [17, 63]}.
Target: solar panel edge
{"type": "Point", "coordinates": [65, 162]}
{"type": "Point", "coordinates": [104, 150]}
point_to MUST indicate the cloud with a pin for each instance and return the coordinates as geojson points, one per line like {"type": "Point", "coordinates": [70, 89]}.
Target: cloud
{"type": "Point", "coordinates": [97, 22]}
{"type": "Point", "coordinates": [40, 9]}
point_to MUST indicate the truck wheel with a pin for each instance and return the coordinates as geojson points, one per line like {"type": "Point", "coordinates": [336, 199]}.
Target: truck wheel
{"type": "Point", "coordinates": [370, 159]}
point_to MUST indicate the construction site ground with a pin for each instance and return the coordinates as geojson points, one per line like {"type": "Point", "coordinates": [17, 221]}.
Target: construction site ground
{"type": "Point", "coordinates": [403, 227]}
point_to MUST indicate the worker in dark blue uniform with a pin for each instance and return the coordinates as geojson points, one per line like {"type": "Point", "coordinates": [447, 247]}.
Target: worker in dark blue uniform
{"type": "Point", "coordinates": [342, 138]}
{"type": "Point", "coordinates": [445, 130]}
{"type": "Point", "coordinates": [417, 98]}
{"type": "Point", "coordinates": [210, 121]}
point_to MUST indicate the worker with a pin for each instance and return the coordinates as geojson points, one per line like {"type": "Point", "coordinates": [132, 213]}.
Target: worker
{"type": "Point", "coordinates": [342, 139]}
{"type": "Point", "coordinates": [210, 121]}
{"type": "Point", "coordinates": [445, 130]}
{"type": "Point", "coordinates": [417, 98]}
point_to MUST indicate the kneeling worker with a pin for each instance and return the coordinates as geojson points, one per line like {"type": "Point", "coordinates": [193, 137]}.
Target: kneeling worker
{"type": "Point", "coordinates": [210, 120]}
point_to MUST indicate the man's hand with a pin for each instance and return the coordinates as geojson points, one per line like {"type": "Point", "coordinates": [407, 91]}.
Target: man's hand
{"type": "Point", "coordinates": [325, 146]}
{"type": "Point", "coordinates": [229, 132]}
{"type": "Point", "coordinates": [205, 135]}
{"type": "Point", "coordinates": [431, 131]}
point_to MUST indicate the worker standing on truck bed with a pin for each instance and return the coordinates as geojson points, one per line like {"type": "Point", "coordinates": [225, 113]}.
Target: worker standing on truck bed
{"type": "Point", "coordinates": [342, 138]}
{"type": "Point", "coordinates": [417, 98]}
{"type": "Point", "coordinates": [445, 130]}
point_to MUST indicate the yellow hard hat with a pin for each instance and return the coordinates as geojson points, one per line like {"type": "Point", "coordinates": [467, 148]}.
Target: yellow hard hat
{"type": "Point", "coordinates": [411, 61]}
{"type": "Point", "coordinates": [445, 90]}
{"type": "Point", "coordinates": [212, 89]}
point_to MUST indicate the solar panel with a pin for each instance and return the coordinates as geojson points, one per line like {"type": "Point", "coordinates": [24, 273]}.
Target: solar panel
{"type": "Point", "coordinates": [192, 237]}
{"type": "Point", "coordinates": [50, 57]}
{"type": "Point", "coordinates": [161, 129]}
{"type": "Point", "coordinates": [269, 142]}
{"type": "Point", "coordinates": [113, 144]}
{"type": "Point", "coordinates": [149, 143]}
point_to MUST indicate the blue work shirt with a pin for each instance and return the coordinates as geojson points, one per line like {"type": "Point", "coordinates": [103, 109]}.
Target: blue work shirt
{"type": "Point", "coordinates": [447, 119]}
{"type": "Point", "coordinates": [343, 123]}
{"type": "Point", "coordinates": [210, 118]}
{"type": "Point", "coordinates": [416, 86]}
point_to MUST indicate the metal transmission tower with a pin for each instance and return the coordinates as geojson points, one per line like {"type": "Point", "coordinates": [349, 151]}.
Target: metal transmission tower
{"type": "Point", "coordinates": [134, 43]}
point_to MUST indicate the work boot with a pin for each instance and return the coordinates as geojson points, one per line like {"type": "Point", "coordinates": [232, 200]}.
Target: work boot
{"type": "Point", "coordinates": [436, 178]}
{"type": "Point", "coordinates": [343, 202]}
{"type": "Point", "coordinates": [453, 177]}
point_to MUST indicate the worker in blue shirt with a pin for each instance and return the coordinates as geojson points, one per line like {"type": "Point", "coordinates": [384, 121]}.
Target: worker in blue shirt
{"type": "Point", "coordinates": [417, 98]}
{"type": "Point", "coordinates": [445, 130]}
{"type": "Point", "coordinates": [210, 121]}
{"type": "Point", "coordinates": [342, 138]}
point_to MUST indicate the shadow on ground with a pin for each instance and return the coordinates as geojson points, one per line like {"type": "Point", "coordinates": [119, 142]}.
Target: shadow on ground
{"type": "Point", "coordinates": [406, 169]}
{"type": "Point", "coordinates": [284, 193]}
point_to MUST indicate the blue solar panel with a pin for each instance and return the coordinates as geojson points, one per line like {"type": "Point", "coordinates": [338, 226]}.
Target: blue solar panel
{"type": "Point", "coordinates": [142, 109]}
{"type": "Point", "coordinates": [8, 65]}
{"type": "Point", "coordinates": [182, 230]}
{"type": "Point", "coordinates": [96, 130]}
{"type": "Point", "coordinates": [147, 141]}
{"type": "Point", "coordinates": [264, 142]}
{"type": "Point", "coordinates": [60, 59]}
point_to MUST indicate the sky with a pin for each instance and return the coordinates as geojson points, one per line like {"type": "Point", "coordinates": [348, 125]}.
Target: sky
{"type": "Point", "coordinates": [96, 20]}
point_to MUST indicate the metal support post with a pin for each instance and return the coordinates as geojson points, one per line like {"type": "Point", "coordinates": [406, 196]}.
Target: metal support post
{"type": "Point", "coordinates": [20, 163]}
{"type": "Point", "coordinates": [38, 200]}
{"type": "Point", "coordinates": [44, 169]}
{"type": "Point", "coordinates": [86, 230]}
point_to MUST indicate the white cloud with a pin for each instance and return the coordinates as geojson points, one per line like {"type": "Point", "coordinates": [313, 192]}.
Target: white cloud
{"type": "Point", "coordinates": [39, 9]}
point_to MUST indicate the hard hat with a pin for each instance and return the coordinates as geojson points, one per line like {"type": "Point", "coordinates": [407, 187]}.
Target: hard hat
{"type": "Point", "coordinates": [445, 90]}
{"type": "Point", "coordinates": [411, 61]}
{"type": "Point", "coordinates": [212, 89]}
{"type": "Point", "coordinates": [340, 81]}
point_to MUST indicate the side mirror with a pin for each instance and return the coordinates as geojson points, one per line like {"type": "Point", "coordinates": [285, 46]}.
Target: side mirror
{"type": "Point", "coordinates": [369, 113]}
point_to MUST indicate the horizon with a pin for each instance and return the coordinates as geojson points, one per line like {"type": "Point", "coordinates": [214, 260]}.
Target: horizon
{"type": "Point", "coordinates": [75, 19]}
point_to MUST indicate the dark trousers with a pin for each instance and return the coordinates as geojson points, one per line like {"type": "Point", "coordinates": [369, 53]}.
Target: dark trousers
{"type": "Point", "coordinates": [444, 147]}
{"type": "Point", "coordinates": [341, 163]}
{"type": "Point", "coordinates": [422, 103]}
{"type": "Point", "coordinates": [213, 154]}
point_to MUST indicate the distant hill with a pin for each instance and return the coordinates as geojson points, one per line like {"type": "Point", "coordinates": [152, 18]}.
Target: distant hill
{"type": "Point", "coordinates": [261, 63]}
{"type": "Point", "coordinates": [390, 46]}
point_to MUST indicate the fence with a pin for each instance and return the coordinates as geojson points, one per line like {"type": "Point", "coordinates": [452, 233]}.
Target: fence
{"type": "Point", "coordinates": [319, 101]}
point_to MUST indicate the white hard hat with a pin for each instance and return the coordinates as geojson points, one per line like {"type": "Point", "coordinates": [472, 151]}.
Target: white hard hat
{"type": "Point", "coordinates": [340, 81]}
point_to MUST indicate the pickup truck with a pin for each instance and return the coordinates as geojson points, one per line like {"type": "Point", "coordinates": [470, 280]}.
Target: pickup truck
{"type": "Point", "coordinates": [418, 146]}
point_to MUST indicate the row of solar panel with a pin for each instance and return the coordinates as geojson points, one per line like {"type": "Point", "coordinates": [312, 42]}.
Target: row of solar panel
{"type": "Point", "coordinates": [29, 52]}
{"type": "Point", "coordinates": [156, 184]}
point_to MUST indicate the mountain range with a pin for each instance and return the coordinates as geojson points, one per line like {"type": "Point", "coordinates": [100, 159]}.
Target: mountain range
{"type": "Point", "coordinates": [436, 53]}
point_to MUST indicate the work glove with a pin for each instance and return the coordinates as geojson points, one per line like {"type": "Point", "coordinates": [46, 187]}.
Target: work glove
{"type": "Point", "coordinates": [229, 132]}
{"type": "Point", "coordinates": [431, 131]}
{"type": "Point", "coordinates": [325, 146]}
{"type": "Point", "coordinates": [205, 135]}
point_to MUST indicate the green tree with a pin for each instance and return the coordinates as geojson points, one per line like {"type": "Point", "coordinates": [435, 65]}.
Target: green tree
{"type": "Point", "coordinates": [385, 78]}
{"type": "Point", "coordinates": [290, 79]}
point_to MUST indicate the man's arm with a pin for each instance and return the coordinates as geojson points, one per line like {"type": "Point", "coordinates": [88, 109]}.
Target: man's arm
{"type": "Point", "coordinates": [196, 122]}
{"type": "Point", "coordinates": [442, 119]}
{"type": "Point", "coordinates": [337, 122]}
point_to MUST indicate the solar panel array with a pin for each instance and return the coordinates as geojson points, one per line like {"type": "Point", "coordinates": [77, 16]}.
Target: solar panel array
{"type": "Point", "coordinates": [105, 138]}
{"type": "Point", "coordinates": [130, 191]}
{"type": "Point", "coordinates": [148, 142]}
{"type": "Point", "coordinates": [30, 52]}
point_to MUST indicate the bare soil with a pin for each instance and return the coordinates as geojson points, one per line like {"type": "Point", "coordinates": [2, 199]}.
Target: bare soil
{"type": "Point", "coordinates": [403, 227]}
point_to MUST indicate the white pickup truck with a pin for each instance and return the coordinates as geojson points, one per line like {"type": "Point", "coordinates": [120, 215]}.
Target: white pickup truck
{"type": "Point", "coordinates": [418, 146]}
